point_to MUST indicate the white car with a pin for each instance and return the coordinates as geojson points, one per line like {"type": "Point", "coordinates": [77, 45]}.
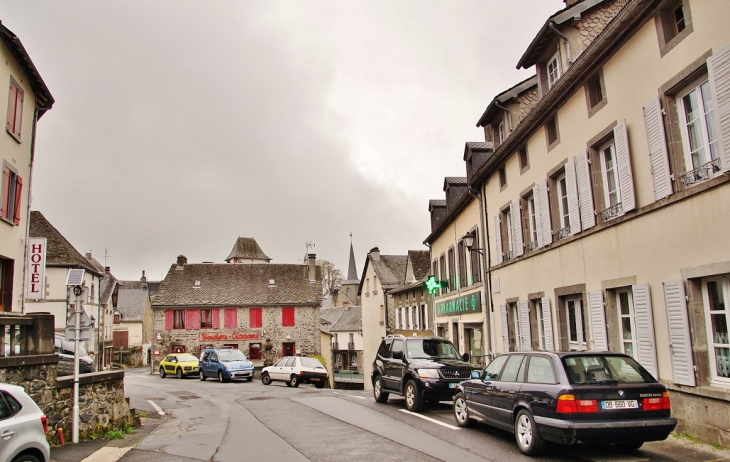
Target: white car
{"type": "Point", "coordinates": [23, 427]}
{"type": "Point", "coordinates": [295, 370]}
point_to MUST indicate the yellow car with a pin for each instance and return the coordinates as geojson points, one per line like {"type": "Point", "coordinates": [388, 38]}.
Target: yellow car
{"type": "Point", "coordinates": [179, 365]}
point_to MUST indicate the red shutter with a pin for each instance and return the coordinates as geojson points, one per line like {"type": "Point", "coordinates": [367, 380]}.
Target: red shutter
{"type": "Point", "coordinates": [216, 319]}
{"type": "Point", "coordinates": [287, 317]}
{"type": "Point", "coordinates": [254, 317]}
{"type": "Point", "coordinates": [168, 319]}
{"type": "Point", "coordinates": [18, 197]}
{"type": "Point", "coordinates": [231, 318]}
{"type": "Point", "coordinates": [5, 193]}
{"type": "Point", "coordinates": [189, 319]}
{"type": "Point", "coordinates": [196, 320]}
{"type": "Point", "coordinates": [11, 106]}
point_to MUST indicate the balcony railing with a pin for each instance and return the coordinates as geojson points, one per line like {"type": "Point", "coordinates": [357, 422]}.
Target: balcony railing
{"type": "Point", "coordinates": [508, 255]}
{"type": "Point", "coordinates": [349, 376]}
{"type": "Point", "coordinates": [563, 233]}
{"type": "Point", "coordinates": [612, 212]}
{"type": "Point", "coordinates": [335, 345]}
{"type": "Point", "coordinates": [350, 345]}
{"type": "Point", "coordinates": [701, 173]}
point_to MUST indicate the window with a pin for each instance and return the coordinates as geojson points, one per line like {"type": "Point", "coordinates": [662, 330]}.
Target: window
{"type": "Point", "coordinates": [552, 134]}
{"type": "Point", "coordinates": [464, 280]}
{"type": "Point", "coordinates": [716, 292]}
{"type": "Point", "coordinates": [524, 160]}
{"type": "Point", "coordinates": [397, 346]}
{"type": "Point", "coordinates": [15, 109]}
{"type": "Point", "coordinates": [476, 265]}
{"type": "Point", "coordinates": [502, 177]}
{"type": "Point", "coordinates": [678, 20]}
{"type": "Point", "coordinates": [424, 317]}
{"type": "Point", "coordinates": [510, 372]}
{"type": "Point", "coordinates": [375, 284]}
{"type": "Point", "coordinates": [540, 370]}
{"type": "Point", "coordinates": [595, 93]}
{"type": "Point", "coordinates": [673, 23]}
{"type": "Point", "coordinates": [452, 270]}
{"type": "Point", "coordinates": [609, 175]}
{"type": "Point", "coordinates": [443, 276]}
{"type": "Point", "coordinates": [500, 131]}
{"type": "Point", "coordinates": [627, 322]}
{"type": "Point", "coordinates": [287, 317]}
{"type": "Point", "coordinates": [230, 318]}
{"type": "Point", "coordinates": [206, 319]}
{"type": "Point", "coordinates": [576, 323]}
{"type": "Point", "coordinates": [515, 314]}
{"type": "Point", "coordinates": [6, 284]}
{"type": "Point", "coordinates": [554, 70]}
{"type": "Point", "coordinates": [10, 200]}
{"type": "Point", "coordinates": [117, 318]}
{"type": "Point", "coordinates": [564, 218]}
{"type": "Point", "coordinates": [254, 351]}
{"type": "Point", "coordinates": [699, 133]}
{"type": "Point", "coordinates": [531, 222]}
{"type": "Point", "coordinates": [492, 371]}
{"type": "Point", "coordinates": [178, 319]}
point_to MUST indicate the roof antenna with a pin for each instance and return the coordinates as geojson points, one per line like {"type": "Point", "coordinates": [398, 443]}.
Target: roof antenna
{"type": "Point", "coordinates": [309, 245]}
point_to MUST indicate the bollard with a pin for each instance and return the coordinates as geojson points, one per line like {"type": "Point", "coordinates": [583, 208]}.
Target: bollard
{"type": "Point", "coordinates": [60, 435]}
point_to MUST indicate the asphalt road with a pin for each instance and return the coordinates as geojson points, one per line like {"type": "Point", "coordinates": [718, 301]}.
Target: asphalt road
{"type": "Point", "coordinates": [237, 421]}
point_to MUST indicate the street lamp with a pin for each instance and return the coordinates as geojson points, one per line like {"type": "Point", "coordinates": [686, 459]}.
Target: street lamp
{"type": "Point", "coordinates": [469, 242]}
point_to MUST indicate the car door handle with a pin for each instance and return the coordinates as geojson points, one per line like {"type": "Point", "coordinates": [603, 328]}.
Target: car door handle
{"type": "Point", "coordinates": [8, 434]}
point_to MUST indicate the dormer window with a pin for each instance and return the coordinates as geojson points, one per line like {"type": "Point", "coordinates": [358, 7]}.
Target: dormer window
{"type": "Point", "coordinates": [502, 134]}
{"type": "Point", "coordinates": [554, 71]}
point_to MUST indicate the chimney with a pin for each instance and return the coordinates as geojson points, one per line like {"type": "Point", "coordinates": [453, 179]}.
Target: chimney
{"type": "Point", "coordinates": [88, 255]}
{"type": "Point", "coordinates": [312, 267]}
{"type": "Point", "coordinates": [144, 278]}
{"type": "Point", "coordinates": [375, 254]}
{"type": "Point", "coordinates": [107, 270]}
{"type": "Point", "coordinates": [182, 260]}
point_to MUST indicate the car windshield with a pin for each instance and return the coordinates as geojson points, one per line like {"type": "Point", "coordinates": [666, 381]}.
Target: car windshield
{"type": "Point", "coordinates": [231, 355]}
{"type": "Point", "coordinates": [182, 358]}
{"type": "Point", "coordinates": [311, 362]}
{"type": "Point", "coordinates": [598, 369]}
{"type": "Point", "coordinates": [431, 348]}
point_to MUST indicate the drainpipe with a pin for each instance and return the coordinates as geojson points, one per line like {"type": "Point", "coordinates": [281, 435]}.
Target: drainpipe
{"type": "Point", "coordinates": [509, 117]}
{"type": "Point", "coordinates": [551, 24]}
{"type": "Point", "coordinates": [487, 269]}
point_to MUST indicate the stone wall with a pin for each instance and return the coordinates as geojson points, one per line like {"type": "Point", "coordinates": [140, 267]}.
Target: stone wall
{"type": "Point", "coordinates": [527, 101]}
{"type": "Point", "coordinates": [102, 405]}
{"type": "Point", "coordinates": [593, 23]}
{"type": "Point", "coordinates": [131, 356]}
{"type": "Point", "coordinates": [704, 417]}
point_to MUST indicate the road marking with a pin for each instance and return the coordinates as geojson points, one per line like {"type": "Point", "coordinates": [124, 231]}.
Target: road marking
{"type": "Point", "coordinates": [157, 408]}
{"type": "Point", "coordinates": [430, 419]}
{"type": "Point", "coordinates": [351, 396]}
{"type": "Point", "coordinates": [107, 454]}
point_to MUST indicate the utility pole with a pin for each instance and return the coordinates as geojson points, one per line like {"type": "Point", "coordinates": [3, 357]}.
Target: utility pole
{"type": "Point", "coordinates": [77, 334]}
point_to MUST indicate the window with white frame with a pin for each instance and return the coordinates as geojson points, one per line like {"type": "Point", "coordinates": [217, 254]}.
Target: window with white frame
{"type": "Point", "coordinates": [699, 133]}
{"type": "Point", "coordinates": [627, 322]}
{"type": "Point", "coordinates": [609, 174]}
{"type": "Point", "coordinates": [531, 221]}
{"type": "Point", "coordinates": [540, 324]}
{"type": "Point", "coordinates": [716, 292]}
{"type": "Point", "coordinates": [501, 132]}
{"type": "Point", "coordinates": [554, 71]}
{"type": "Point", "coordinates": [563, 206]}
{"type": "Point", "coordinates": [576, 316]}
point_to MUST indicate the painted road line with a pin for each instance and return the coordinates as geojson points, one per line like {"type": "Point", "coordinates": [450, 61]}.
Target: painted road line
{"type": "Point", "coordinates": [430, 419]}
{"type": "Point", "coordinates": [107, 454]}
{"type": "Point", "coordinates": [351, 396]}
{"type": "Point", "coordinates": [157, 408]}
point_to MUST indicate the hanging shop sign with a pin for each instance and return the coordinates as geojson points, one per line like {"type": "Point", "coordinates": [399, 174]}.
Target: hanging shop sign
{"type": "Point", "coordinates": [35, 285]}
{"type": "Point", "coordinates": [471, 303]}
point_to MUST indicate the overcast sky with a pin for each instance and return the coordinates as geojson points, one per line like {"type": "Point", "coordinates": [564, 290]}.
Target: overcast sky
{"type": "Point", "coordinates": [181, 125]}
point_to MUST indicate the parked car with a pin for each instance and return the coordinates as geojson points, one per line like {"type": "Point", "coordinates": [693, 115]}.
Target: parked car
{"type": "Point", "coordinates": [567, 398]}
{"type": "Point", "coordinates": [179, 365]}
{"type": "Point", "coordinates": [423, 369]}
{"type": "Point", "coordinates": [226, 364]}
{"type": "Point", "coordinates": [65, 351]}
{"type": "Point", "coordinates": [295, 370]}
{"type": "Point", "coordinates": [23, 427]}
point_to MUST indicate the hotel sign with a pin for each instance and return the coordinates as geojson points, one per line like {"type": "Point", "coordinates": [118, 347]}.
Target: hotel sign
{"type": "Point", "coordinates": [35, 284]}
{"type": "Point", "coordinates": [471, 303]}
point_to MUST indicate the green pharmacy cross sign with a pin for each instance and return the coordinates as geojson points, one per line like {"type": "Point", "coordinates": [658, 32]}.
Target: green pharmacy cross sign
{"type": "Point", "coordinates": [432, 285]}
{"type": "Point", "coordinates": [471, 303]}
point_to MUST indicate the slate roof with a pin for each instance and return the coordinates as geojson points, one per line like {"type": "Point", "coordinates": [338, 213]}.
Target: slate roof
{"type": "Point", "coordinates": [231, 284]}
{"type": "Point", "coordinates": [59, 252]}
{"type": "Point", "coordinates": [350, 320]}
{"type": "Point", "coordinates": [248, 249]}
{"type": "Point", "coordinates": [132, 303]}
{"type": "Point", "coordinates": [421, 261]}
{"type": "Point", "coordinates": [390, 269]}
{"type": "Point", "coordinates": [328, 317]}
{"type": "Point", "coordinates": [107, 285]}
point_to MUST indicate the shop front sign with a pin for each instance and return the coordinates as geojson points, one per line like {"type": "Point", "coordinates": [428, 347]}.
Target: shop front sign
{"type": "Point", "coordinates": [471, 303]}
{"type": "Point", "coordinates": [217, 336]}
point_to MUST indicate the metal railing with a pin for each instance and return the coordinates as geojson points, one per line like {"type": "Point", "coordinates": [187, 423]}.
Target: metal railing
{"type": "Point", "coordinates": [612, 212]}
{"type": "Point", "coordinates": [701, 173]}
{"type": "Point", "coordinates": [335, 345]}
{"type": "Point", "coordinates": [563, 233]}
{"type": "Point", "coordinates": [532, 246]}
{"type": "Point", "coordinates": [350, 345]}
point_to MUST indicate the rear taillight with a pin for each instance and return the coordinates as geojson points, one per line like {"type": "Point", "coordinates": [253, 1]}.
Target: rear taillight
{"type": "Point", "coordinates": [567, 404]}
{"type": "Point", "coordinates": [657, 404]}
{"type": "Point", "coordinates": [44, 421]}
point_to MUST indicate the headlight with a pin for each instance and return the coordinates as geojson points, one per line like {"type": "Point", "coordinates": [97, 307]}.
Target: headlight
{"type": "Point", "coordinates": [428, 373]}
{"type": "Point", "coordinates": [229, 366]}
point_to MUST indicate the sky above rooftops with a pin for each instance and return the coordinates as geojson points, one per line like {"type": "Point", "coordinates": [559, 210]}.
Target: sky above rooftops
{"type": "Point", "coordinates": [180, 125]}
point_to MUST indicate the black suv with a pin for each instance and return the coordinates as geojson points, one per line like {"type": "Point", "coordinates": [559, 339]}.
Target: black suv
{"type": "Point", "coordinates": [423, 369]}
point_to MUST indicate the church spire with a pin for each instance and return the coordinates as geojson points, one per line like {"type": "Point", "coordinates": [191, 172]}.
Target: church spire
{"type": "Point", "coordinates": [352, 270]}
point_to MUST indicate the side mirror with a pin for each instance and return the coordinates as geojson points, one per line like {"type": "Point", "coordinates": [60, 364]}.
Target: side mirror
{"type": "Point", "coordinates": [397, 355]}
{"type": "Point", "coordinates": [476, 374]}
{"type": "Point", "coordinates": [465, 357]}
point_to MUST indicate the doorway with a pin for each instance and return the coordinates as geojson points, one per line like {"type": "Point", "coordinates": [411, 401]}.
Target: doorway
{"type": "Point", "coordinates": [576, 323]}
{"type": "Point", "coordinates": [288, 348]}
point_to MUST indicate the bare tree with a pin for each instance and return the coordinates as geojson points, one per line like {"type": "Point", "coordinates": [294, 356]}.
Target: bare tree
{"type": "Point", "coordinates": [331, 277]}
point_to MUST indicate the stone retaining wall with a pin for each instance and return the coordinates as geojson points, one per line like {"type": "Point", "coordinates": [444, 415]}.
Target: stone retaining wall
{"type": "Point", "coordinates": [704, 417]}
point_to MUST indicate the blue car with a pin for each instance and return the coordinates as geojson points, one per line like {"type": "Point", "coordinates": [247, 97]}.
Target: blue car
{"type": "Point", "coordinates": [225, 364]}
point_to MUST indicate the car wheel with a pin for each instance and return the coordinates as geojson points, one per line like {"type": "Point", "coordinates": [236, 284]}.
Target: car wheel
{"type": "Point", "coordinates": [461, 413]}
{"type": "Point", "coordinates": [630, 447]}
{"type": "Point", "coordinates": [179, 373]}
{"type": "Point", "coordinates": [162, 373]}
{"type": "Point", "coordinates": [414, 400]}
{"type": "Point", "coordinates": [528, 438]}
{"type": "Point", "coordinates": [319, 385]}
{"type": "Point", "coordinates": [378, 393]}
{"type": "Point", "coordinates": [294, 381]}
{"type": "Point", "coordinates": [26, 458]}
{"type": "Point", "coordinates": [202, 376]}
{"type": "Point", "coordinates": [220, 377]}
{"type": "Point", "coordinates": [265, 379]}
{"type": "Point", "coordinates": [248, 379]}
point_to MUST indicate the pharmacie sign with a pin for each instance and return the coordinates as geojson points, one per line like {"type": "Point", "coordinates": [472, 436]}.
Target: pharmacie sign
{"type": "Point", "coordinates": [471, 303]}
{"type": "Point", "coordinates": [35, 281]}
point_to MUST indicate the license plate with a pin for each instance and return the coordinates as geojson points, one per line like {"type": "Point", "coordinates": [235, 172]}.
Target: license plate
{"type": "Point", "coordinates": [620, 404]}
{"type": "Point", "coordinates": [243, 373]}
{"type": "Point", "coordinates": [453, 385]}
{"type": "Point", "coordinates": [315, 379]}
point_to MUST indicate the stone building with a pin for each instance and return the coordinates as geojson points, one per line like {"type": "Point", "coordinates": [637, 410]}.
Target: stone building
{"type": "Point", "coordinates": [413, 313]}
{"type": "Point", "coordinates": [239, 305]}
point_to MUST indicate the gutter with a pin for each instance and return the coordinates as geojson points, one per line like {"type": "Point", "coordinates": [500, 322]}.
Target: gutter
{"type": "Point", "coordinates": [509, 114]}
{"type": "Point", "coordinates": [487, 271]}
{"type": "Point", "coordinates": [551, 25]}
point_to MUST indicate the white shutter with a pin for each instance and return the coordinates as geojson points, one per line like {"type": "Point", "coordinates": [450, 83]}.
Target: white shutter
{"type": "Point", "coordinates": [680, 342]}
{"type": "Point", "coordinates": [623, 161]}
{"type": "Point", "coordinates": [514, 210]}
{"type": "Point", "coordinates": [547, 319]}
{"type": "Point", "coordinates": [498, 238]}
{"type": "Point", "coordinates": [646, 354]}
{"type": "Point", "coordinates": [718, 67]}
{"type": "Point", "coordinates": [544, 218]}
{"type": "Point", "coordinates": [585, 191]}
{"type": "Point", "coordinates": [573, 209]}
{"type": "Point", "coordinates": [505, 328]}
{"type": "Point", "coordinates": [524, 310]}
{"type": "Point", "coordinates": [538, 221]}
{"type": "Point", "coordinates": [658, 155]}
{"type": "Point", "coordinates": [598, 320]}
